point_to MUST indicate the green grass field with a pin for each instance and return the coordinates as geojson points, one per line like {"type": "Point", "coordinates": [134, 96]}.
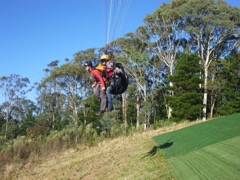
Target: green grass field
{"type": "Point", "coordinates": [209, 150]}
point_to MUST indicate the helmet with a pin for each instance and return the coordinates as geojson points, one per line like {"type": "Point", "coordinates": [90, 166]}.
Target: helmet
{"type": "Point", "coordinates": [88, 63]}
{"type": "Point", "coordinates": [106, 57]}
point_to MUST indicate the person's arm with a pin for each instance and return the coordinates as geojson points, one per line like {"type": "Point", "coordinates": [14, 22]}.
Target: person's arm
{"type": "Point", "coordinates": [97, 75]}
{"type": "Point", "coordinates": [94, 84]}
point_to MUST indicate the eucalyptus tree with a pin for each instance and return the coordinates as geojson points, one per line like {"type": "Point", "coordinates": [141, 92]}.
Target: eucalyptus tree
{"type": "Point", "coordinates": [162, 32]}
{"type": "Point", "coordinates": [71, 83]}
{"type": "Point", "coordinates": [213, 27]}
{"type": "Point", "coordinates": [216, 84]}
{"type": "Point", "coordinates": [28, 120]}
{"type": "Point", "coordinates": [135, 58]}
{"type": "Point", "coordinates": [50, 103]}
{"type": "Point", "coordinates": [86, 55]}
{"type": "Point", "coordinates": [49, 99]}
{"type": "Point", "coordinates": [13, 89]}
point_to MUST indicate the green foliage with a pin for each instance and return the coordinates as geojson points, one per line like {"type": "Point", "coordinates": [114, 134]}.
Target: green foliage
{"type": "Point", "coordinates": [229, 102]}
{"type": "Point", "coordinates": [12, 90]}
{"type": "Point", "coordinates": [90, 136]}
{"type": "Point", "coordinates": [87, 113]}
{"type": "Point", "coordinates": [187, 99]}
{"type": "Point", "coordinates": [162, 123]}
{"type": "Point", "coordinates": [2, 121]}
{"type": "Point", "coordinates": [131, 106]}
{"type": "Point", "coordinates": [118, 130]}
{"type": "Point", "coordinates": [41, 143]}
{"type": "Point", "coordinates": [109, 120]}
{"type": "Point", "coordinates": [85, 55]}
{"type": "Point", "coordinates": [20, 148]}
{"type": "Point", "coordinates": [2, 141]}
{"type": "Point", "coordinates": [159, 103]}
{"type": "Point", "coordinates": [26, 123]}
{"type": "Point", "coordinates": [59, 141]}
{"type": "Point", "coordinates": [40, 127]}
{"type": "Point", "coordinates": [12, 132]}
{"type": "Point", "coordinates": [61, 124]}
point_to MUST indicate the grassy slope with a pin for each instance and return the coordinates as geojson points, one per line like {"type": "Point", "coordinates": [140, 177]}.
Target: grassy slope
{"type": "Point", "coordinates": [137, 157]}
{"type": "Point", "coordinates": [207, 150]}
{"type": "Point", "coordinates": [133, 157]}
{"type": "Point", "coordinates": [216, 161]}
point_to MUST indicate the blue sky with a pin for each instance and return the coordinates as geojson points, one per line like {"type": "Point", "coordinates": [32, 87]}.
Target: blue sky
{"type": "Point", "coordinates": [35, 32]}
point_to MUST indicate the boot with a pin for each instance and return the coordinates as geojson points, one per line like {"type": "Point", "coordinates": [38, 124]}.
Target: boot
{"type": "Point", "coordinates": [109, 109]}
{"type": "Point", "coordinates": [99, 113]}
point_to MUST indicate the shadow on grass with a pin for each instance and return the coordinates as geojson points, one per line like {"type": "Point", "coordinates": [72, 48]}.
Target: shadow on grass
{"type": "Point", "coordinates": [166, 145]}
{"type": "Point", "coordinates": [154, 150]}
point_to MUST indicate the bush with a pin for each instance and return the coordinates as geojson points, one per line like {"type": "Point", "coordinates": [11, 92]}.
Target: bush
{"type": "Point", "coordinates": [21, 148]}
{"type": "Point", "coordinates": [90, 135]}
{"type": "Point", "coordinates": [24, 148]}
{"type": "Point", "coordinates": [58, 141]}
{"type": "Point", "coordinates": [118, 130]}
{"type": "Point", "coordinates": [2, 141]}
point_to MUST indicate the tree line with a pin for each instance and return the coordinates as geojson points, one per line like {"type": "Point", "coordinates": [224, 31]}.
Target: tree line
{"type": "Point", "coordinates": [183, 63]}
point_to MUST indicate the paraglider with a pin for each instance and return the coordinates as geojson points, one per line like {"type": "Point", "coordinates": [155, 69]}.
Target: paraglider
{"type": "Point", "coordinates": [115, 79]}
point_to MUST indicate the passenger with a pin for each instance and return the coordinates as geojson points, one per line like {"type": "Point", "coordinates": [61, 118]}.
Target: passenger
{"type": "Point", "coordinates": [99, 87]}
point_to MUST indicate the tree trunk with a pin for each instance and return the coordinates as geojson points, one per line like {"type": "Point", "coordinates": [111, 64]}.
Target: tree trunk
{"type": "Point", "coordinates": [154, 117]}
{"type": "Point", "coordinates": [204, 116]}
{"type": "Point", "coordinates": [6, 130]}
{"type": "Point", "coordinates": [85, 112]}
{"type": "Point", "coordinates": [7, 122]}
{"type": "Point", "coordinates": [212, 108]}
{"type": "Point", "coordinates": [53, 120]}
{"type": "Point", "coordinates": [124, 108]}
{"type": "Point", "coordinates": [75, 117]}
{"type": "Point", "coordinates": [148, 120]}
{"type": "Point", "coordinates": [169, 109]}
{"type": "Point", "coordinates": [213, 100]}
{"type": "Point", "coordinates": [145, 122]}
{"type": "Point", "coordinates": [138, 111]}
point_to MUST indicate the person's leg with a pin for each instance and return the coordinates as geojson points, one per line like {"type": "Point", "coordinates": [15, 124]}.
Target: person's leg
{"type": "Point", "coordinates": [103, 98]}
{"type": "Point", "coordinates": [109, 98]}
{"type": "Point", "coordinates": [96, 90]}
{"type": "Point", "coordinates": [98, 93]}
